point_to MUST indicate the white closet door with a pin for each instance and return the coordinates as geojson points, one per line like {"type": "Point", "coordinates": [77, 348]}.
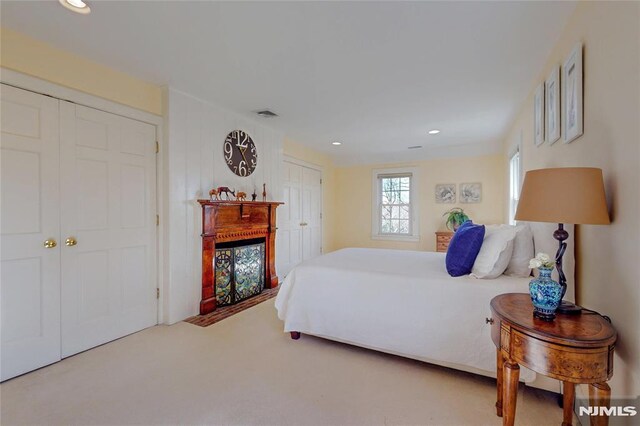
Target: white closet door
{"type": "Point", "coordinates": [311, 211]}
{"type": "Point", "coordinates": [289, 249]}
{"type": "Point", "coordinates": [30, 278]}
{"type": "Point", "coordinates": [300, 222]}
{"type": "Point", "coordinates": [108, 206]}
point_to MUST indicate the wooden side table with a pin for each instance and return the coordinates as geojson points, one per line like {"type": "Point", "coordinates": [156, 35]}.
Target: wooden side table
{"type": "Point", "coordinates": [572, 348]}
{"type": "Point", "coordinates": [443, 238]}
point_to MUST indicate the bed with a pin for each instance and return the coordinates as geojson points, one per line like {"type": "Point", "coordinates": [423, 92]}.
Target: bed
{"type": "Point", "coordinates": [403, 303]}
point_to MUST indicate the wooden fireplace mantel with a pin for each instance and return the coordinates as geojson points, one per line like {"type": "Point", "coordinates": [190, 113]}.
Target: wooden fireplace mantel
{"type": "Point", "coordinates": [225, 221]}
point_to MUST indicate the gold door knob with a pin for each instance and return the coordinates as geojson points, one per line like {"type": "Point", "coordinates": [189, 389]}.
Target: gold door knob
{"type": "Point", "coordinates": [50, 243]}
{"type": "Point", "coordinates": [70, 242]}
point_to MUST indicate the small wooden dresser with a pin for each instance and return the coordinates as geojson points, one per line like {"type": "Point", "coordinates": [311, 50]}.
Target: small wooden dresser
{"type": "Point", "coordinates": [442, 240]}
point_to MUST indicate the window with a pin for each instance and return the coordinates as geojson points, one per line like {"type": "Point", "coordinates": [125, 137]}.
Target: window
{"type": "Point", "coordinates": [394, 205]}
{"type": "Point", "coordinates": [514, 185]}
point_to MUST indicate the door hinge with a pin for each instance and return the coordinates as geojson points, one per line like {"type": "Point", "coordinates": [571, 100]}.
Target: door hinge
{"type": "Point", "coordinates": [157, 147]}
{"type": "Point", "coordinates": [157, 220]}
{"type": "Point", "coordinates": [157, 293]}
{"type": "Point", "coordinates": [321, 181]}
{"type": "Point", "coordinates": [320, 215]}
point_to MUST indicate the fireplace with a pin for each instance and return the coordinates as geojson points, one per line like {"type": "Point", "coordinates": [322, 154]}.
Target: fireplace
{"type": "Point", "coordinates": [238, 251]}
{"type": "Point", "coordinates": [239, 270]}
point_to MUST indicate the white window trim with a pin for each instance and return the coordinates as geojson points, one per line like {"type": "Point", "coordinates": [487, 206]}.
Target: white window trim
{"type": "Point", "coordinates": [512, 207]}
{"type": "Point", "coordinates": [375, 205]}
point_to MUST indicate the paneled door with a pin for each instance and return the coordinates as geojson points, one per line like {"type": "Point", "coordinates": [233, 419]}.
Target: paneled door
{"type": "Point", "coordinates": [108, 226]}
{"type": "Point", "coordinates": [30, 228]}
{"type": "Point", "coordinates": [300, 220]}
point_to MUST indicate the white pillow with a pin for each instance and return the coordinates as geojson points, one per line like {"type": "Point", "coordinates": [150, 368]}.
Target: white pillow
{"type": "Point", "coordinates": [522, 252]}
{"type": "Point", "coordinates": [495, 253]}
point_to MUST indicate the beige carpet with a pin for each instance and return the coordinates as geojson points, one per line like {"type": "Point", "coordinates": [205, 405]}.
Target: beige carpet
{"type": "Point", "coordinates": [245, 371]}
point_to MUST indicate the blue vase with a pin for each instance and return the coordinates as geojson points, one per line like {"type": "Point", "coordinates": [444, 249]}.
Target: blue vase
{"type": "Point", "coordinates": [546, 295]}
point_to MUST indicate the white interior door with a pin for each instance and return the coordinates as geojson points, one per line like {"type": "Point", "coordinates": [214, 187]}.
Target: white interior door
{"type": "Point", "coordinates": [108, 206]}
{"type": "Point", "coordinates": [30, 278]}
{"type": "Point", "coordinates": [300, 222]}
{"type": "Point", "coordinates": [289, 250]}
{"type": "Point", "coordinates": [311, 213]}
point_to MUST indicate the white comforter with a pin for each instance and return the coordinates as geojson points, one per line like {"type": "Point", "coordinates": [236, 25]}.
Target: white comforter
{"type": "Point", "coordinates": [396, 301]}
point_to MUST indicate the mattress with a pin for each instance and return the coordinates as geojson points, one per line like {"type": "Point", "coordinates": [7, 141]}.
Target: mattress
{"type": "Point", "coordinates": [397, 301]}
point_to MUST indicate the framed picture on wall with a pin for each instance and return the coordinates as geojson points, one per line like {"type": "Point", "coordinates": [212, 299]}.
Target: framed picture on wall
{"type": "Point", "coordinates": [572, 94]}
{"type": "Point", "coordinates": [470, 192]}
{"type": "Point", "coordinates": [552, 105]}
{"type": "Point", "coordinates": [538, 115]}
{"type": "Point", "coordinates": [446, 193]}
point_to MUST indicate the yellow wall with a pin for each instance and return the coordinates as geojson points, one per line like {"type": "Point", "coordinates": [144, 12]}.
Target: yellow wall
{"type": "Point", "coordinates": [29, 56]}
{"type": "Point", "coordinates": [354, 198]}
{"type": "Point", "coordinates": [607, 267]}
{"type": "Point", "coordinates": [329, 209]}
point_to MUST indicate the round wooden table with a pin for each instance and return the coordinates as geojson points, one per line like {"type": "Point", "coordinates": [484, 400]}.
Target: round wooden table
{"type": "Point", "coordinates": [571, 348]}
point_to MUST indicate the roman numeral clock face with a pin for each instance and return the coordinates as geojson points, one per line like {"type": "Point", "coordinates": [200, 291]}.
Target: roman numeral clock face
{"type": "Point", "coordinates": [240, 153]}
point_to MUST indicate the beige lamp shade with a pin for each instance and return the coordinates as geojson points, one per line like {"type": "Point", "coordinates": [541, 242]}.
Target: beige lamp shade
{"type": "Point", "coordinates": [563, 195]}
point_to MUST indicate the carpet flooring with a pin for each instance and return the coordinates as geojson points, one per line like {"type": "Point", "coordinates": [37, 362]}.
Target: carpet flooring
{"type": "Point", "coordinates": [226, 311]}
{"type": "Point", "coordinates": [246, 371]}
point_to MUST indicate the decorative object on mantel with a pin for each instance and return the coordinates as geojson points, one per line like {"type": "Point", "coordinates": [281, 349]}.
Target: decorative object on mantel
{"type": "Point", "coordinates": [455, 217]}
{"type": "Point", "coordinates": [264, 192]}
{"type": "Point", "coordinates": [470, 193]}
{"type": "Point", "coordinates": [241, 196]}
{"type": "Point", "coordinates": [213, 194]}
{"type": "Point", "coordinates": [238, 229]}
{"type": "Point", "coordinates": [552, 106]}
{"type": "Point", "coordinates": [254, 195]}
{"type": "Point", "coordinates": [563, 195]}
{"type": "Point", "coordinates": [538, 115]}
{"type": "Point", "coordinates": [240, 153]}
{"type": "Point", "coordinates": [226, 191]}
{"type": "Point", "coordinates": [545, 293]}
{"type": "Point", "coordinates": [446, 193]}
{"type": "Point", "coordinates": [572, 94]}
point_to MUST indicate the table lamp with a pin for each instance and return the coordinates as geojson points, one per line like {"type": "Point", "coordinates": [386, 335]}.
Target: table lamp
{"type": "Point", "coordinates": [563, 195]}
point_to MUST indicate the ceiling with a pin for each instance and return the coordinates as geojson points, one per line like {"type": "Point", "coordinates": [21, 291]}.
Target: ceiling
{"type": "Point", "coordinates": [376, 76]}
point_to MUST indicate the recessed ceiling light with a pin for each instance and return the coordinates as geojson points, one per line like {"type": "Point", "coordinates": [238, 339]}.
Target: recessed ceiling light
{"type": "Point", "coordinates": [434, 132]}
{"type": "Point", "coordinates": [336, 143]}
{"type": "Point", "coordinates": [77, 6]}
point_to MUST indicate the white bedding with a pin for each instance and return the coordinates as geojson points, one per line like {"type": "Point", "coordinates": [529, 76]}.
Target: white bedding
{"type": "Point", "coordinates": [401, 302]}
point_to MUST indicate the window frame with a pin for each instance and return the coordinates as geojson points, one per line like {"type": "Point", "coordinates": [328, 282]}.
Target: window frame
{"type": "Point", "coordinates": [376, 210]}
{"type": "Point", "coordinates": [515, 184]}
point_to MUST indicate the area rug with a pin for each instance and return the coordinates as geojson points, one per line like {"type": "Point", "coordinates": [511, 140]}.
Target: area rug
{"type": "Point", "coordinates": [225, 312]}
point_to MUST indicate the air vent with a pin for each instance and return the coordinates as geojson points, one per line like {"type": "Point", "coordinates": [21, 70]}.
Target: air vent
{"type": "Point", "coordinates": [415, 147]}
{"type": "Point", "coordinates": [266, 113]}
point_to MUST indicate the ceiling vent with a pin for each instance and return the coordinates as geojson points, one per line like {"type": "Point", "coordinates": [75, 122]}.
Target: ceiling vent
{"type": "Point", "coordinates": [266, 113]}
{"type": "Point", "coordinates": [415, 147]}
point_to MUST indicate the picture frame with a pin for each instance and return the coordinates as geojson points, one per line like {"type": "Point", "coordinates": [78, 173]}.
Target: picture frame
{"type": "Point", "coordinates": [572, 81]}
{"type": "Point", "coordinates": [538, 115]}
{"type": "Point", "coordinates": [552, 105]}
{"type": "Point", "coordinates": [470, 193]}
{"type": "Point", "coordinates": [445, 193]}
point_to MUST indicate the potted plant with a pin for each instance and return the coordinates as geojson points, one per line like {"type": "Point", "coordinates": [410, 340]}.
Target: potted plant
{"type": "Point", "coordinates": [455, 217]}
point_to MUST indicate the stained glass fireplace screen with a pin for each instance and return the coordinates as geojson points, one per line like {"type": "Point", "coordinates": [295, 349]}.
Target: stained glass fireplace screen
{"type": "Point", "coordinates": [239, 273]}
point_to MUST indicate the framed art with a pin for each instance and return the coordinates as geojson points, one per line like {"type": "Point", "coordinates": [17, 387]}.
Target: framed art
{"type": "Point", "coordinates": [446, 193]}
{"type": "Point", "coordinates": [538, 115]}
{"type": "Point", "coordinates": [552, 105]}
{"type": "Point", "coordinates": [470, 192]}
{"type": "Point", "coordinates": [572, 94]}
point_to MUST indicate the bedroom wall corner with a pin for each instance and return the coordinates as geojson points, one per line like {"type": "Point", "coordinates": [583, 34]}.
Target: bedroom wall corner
{"type": "Point", "coordinates": [353, 196]}
{"type": "Point", "coordinates": [38, 59]}
{"type": "Point", "coordinates": [195, 133]}
{"type": "Point", "coordinates": [606, 256]}
{"type": "Point", "coordinates": [323, 161]}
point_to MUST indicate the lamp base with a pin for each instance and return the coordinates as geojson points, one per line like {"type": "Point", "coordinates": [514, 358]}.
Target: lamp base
{"type": "Point", "coordinates": [568, 308]}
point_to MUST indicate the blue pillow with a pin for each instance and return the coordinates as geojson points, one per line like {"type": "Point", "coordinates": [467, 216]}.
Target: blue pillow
{"type": "Point", "coordinates": [464, 248]}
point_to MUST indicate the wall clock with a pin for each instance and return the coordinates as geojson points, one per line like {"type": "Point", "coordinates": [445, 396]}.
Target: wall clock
{"type": "Point", "coordinates": [240, 153]}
